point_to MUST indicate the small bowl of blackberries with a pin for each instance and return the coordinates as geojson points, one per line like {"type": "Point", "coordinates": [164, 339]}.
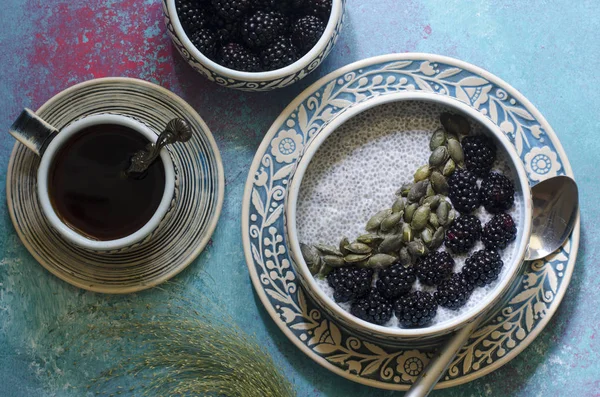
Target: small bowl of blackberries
{"type": "Point", "coordinates": [254, 45]}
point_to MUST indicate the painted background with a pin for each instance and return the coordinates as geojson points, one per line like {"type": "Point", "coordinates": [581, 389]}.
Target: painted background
{"type": "Point", "coordinates": [549, 50]}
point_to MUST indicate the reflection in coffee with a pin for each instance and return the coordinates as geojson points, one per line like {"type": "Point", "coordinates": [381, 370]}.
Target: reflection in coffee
{"type": "Point", "coordinates": [89, 190]}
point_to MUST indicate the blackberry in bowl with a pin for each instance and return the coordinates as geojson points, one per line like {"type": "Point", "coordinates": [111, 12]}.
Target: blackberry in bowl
{"type": "Point", "coordinates": [254, 45]}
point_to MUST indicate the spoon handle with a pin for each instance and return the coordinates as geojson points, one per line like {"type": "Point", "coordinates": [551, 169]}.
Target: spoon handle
{"type": "Point", "coordinates": [177, 130]}
{"type": "Point", "coordinates": [441, 361]}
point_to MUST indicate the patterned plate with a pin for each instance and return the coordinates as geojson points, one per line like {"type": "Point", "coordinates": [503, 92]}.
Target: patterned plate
{"type": "Point", "coordinates": [533, 298]}
{"type": "Point", "coordinates": [182, 234]}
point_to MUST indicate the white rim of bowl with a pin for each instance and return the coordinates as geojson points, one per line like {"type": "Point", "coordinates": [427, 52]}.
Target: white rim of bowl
{"type": "Point", "coordinates": [334, 16]}
{"type": "Point", "coordinates": [72, 235]}
{"type": "Point", "coordinates": [460, 320]}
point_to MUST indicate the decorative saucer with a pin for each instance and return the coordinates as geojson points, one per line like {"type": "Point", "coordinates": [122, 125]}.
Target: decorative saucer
{"type": "Point", "coordinates": [521, 315]}
{"type": "Point", "coordinates": [183, 233]}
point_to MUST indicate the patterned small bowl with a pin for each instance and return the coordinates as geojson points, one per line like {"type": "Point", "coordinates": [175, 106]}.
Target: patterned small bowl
{"type": "Point", "coordinates": [260, 81]}
{"type": "Point", "coordinates": [414, 336]}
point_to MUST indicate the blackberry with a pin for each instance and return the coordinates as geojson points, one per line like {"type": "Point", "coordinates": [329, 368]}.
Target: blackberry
{"type": "Point", "coordinates": [231, 9]}
{"type": "Point", "coordinates": [205, 40]}
{"type": "Point", "coordinates": [480, 154]}
{"type": "Point", "coordinates": [227, 31]}
{"type": "Point", "coordinates": [288, 6]}
{"type": "Point", "coordinates": [395, 280]}
{"type": "Point", "coordinates": [264, 4]}
{"type": "Point", "coordinates": [497, 193]}
{"type": "Point", "coordinates": [434, 267]}
{"type": "Point", "coordinates": [279, 54]}
{"type": "Point", "coordinates": [454, 292]}
{"type": "Point", "coordinates": [463, 191]}
{"type": "Point", "coordinates": [262, 28]}
{"type": "Point", "coordinates": [236, 56]}
{"type": "Point", "coordinates": [306, 31]}
{"type": "Point", "coordinates": [373, 308]}
{"type": "Point", "coordinates": [320, 8]}
{"type": "Point", "coordinates": [350, 283]}
{"type": "Point", "coordinates": [192, 16]}
{"type": "Point", "coordinates": [416, 309]}
{"type": "Point", "coordinates": [482, 267]}
{"type": "Point", "coordinates": [462, 235]}
{"type": "Point", "coordinates": [499, 231]}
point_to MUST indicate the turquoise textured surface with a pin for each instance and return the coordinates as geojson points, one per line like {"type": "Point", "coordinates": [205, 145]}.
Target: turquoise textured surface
{"type": "Point", "coordinates": [547, 50]}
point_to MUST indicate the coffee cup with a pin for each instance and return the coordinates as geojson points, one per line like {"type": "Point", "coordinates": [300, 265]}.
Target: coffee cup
{"type": "Point", "coordinates": [84, 191]}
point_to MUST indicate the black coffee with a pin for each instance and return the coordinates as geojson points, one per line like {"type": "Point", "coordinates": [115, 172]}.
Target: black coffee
{"type": "Point", "coordinates": [89, 190]}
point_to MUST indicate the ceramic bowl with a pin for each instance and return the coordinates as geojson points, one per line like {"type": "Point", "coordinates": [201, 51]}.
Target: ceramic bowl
{"type": "Point", "coordinates": [247, 81]}
{"type": "Point", "coordinates": [523, 218]}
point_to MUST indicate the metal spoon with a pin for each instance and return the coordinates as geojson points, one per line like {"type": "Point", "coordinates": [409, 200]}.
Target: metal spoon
{"type": "Point", "coordinates": [177, 130]}
{"type": "Point", "coordinates": [555, 209]}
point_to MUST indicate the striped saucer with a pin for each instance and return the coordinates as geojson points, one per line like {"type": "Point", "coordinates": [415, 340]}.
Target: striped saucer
{"type": "Point", "coordinates": [183, 233]}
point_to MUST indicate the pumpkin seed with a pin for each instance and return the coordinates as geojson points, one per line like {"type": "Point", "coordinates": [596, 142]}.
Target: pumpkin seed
{"type": "Point", "coordinates": [430, 192]}
{"type": "Point", "coordinates": [407, 233]}
{"type": "Point", "coordinates": [417, 191]}
{"type": "Point", "coordinates": [455, 124]}
{"type": "Point", "coordinates": [439, 156]}
{"type": "Point", "coordinates": [334, 261]}
{"type": "Point", "coordinates": [358, 248]}
{"type": "Point", "coordinates": [361, 264]}
{"type": "Point", "coordinates": [328, 250]}
{"type": "Point", "coordinates": [437, 139]}
{"type": "Point", "coordinates": [375, 221]}
{"type": "Point", "coordinates": [403, 191]}
{"type": "Point", "coordinates": [370, 239]}
{"type": "Point", "coordinates": [405, 257]}
{"type": "Point", "coordinates": [422, 173]}
{"type": "Point", "coordinates": [431, 228]}
{"type": "Point", "coordinates": [342, 246]}
{"type": "Point", "coordinates": [391, 243]}
{"type": "Point", "coordinates": [426, 236]}
{"type": "Point", "coordinates": [416, 248]}
{"type": "Point", "coordinates": [449, 168]}
{"type": "Point", "coordinates": [381, 260]}
{"type": "Point", "coordinates": [354, 258]}
{"type": "Point", "coordinates": [433, 220]}
{"type": "Point", "coordinates": [391, 221]}
{"type": "Point", "coordinates": [325, 270]}
{"type": "Point", "coordinates": [442, 212]}
{"type": "Point", "coordinates": [437, 239]}
{"type": "Point", "coordinates": [420, 217]}
{"type": "Point", "coordinates": [311, 257]}
{"type": "Point", "coordinates": [309, 253]}
{"type": "Point", "coordinates": [433, 201]}
{"type": "Point", "coordinates": [409, 212]}
{"type": "Point", "coordinates": [439, 183]}
{"type": "Point", "coordinates": [452, 215]}
{"type": "Point", "coordinates": [398, 205]}
{"type": "Point", "coordinates": [456, 151]}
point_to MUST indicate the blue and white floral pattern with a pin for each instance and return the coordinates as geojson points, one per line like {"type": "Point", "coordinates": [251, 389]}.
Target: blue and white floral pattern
{"type": "Point", "coordinates": [286, 146]}
{"type": "Point", "coordinates": [541, 163]}
{"type": "Point", "coordinates": [536, 292]}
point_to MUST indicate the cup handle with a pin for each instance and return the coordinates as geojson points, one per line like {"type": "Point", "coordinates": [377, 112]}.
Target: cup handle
{"type": "Point", "coordinates": [32, 131]}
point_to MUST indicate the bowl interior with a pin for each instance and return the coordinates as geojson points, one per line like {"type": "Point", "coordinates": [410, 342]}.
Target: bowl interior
{"type": "Point", "coordinates": [351, 171]}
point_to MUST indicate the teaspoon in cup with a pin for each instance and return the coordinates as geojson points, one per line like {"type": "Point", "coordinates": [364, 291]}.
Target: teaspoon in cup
{"type": "Point", "coordinates": [177, 130]}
